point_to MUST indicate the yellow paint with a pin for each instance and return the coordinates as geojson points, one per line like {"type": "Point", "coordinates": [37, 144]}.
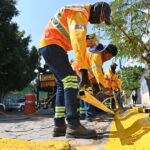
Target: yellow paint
{"type": "Point", "coordinates": [95, 102]}
{"type": "Point", "coordinates": [90, 147]}
{"type": "Point", "coordinates": [17, 144]}
{"type": "Point", "coordinates": [130, 131]}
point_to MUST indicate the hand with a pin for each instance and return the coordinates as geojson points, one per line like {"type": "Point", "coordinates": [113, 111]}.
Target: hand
{"type": "Point", "coordinates": [100, 87]}
{"type": "Point", "coordinates": [108, 91]}
{"type": "Point", "coordinates": [85, 82]}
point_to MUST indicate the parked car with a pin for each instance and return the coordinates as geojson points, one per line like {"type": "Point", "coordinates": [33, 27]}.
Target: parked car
{"type": "Point", "coordinates": [18, 105]}
{"type": "Point", "coordinates": [2, 107]}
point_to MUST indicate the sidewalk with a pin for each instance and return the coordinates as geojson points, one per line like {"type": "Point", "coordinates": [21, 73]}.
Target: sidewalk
{"type": "Point", "coordinates": [130, 130]}
{"type": "Point", "coordinates": [39, 127]}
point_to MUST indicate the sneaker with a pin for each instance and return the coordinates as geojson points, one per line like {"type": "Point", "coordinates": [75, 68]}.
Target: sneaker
{"type": "Point", "coordinates": [59, 131]}
{"type": "Point", "coordinates": [79, 131]}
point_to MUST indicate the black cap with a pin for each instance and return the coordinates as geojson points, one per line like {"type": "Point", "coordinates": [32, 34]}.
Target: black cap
{"type": "Point", "coordinates": [112, 49]}
{"type": "Point", "coordinates": [107, 12]}
{"type": "Point", "coordinates": [97, 10]}
{"type": "Point", "coordinates": [114, 65]}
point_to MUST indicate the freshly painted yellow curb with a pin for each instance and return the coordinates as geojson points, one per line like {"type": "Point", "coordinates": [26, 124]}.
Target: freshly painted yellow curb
{"type": "Point", "coordinates": [90, 147]}
{"type": "Point", "coordinates": [17, 144]}
{"type": "Point", "coordinates": [130, 131]}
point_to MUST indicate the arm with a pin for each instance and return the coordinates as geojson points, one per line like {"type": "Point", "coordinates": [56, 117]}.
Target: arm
{"type": "Point", "coordinates": [96, 68]}
{"type": "Point", "coordinates": [77, 23]}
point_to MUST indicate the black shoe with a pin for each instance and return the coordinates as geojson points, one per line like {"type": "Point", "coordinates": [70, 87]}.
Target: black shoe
{"type": "Point", "coordinates": [79, 131]}
{"type": "Point", "coordinates": [89, 119]}
{"type": "Point", "coordinates": [59, 131]}
{"type": "Point", "coordinates": [82, 117]}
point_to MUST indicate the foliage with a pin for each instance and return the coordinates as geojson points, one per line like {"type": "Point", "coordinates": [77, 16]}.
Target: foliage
{"type": "Point", "coordinates": [17, 61]}
{"type": "Point", "coordinates": [130, 25]}
{"type": "Point", "coordinates": [130, 77]}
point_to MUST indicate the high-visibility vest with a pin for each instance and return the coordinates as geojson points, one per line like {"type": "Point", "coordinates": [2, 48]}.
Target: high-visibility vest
{"type": "Point", "coordinates": [87, 57]}
{"type": "Point", "coordinates": [75, 67]}
{"type": "Point", "coordinates": [57, 31]}
{"type": "Point", "coordinates": [111, 79]}
{"type": "Point", "coordinates": [92, 76]}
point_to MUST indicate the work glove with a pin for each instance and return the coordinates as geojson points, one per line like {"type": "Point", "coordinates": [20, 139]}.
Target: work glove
{"type": "Point", "coordinates": [84, 81]}
{"type": "Point", "coordinates": [108, 91]}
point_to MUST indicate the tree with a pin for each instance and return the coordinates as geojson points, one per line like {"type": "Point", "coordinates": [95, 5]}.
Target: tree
{"type": "Point", "coordinates": [130, 31]}
{"type": "Point", "coordinates": [17, 62]}
{"type": "Point", "coordinates": [130, 77]}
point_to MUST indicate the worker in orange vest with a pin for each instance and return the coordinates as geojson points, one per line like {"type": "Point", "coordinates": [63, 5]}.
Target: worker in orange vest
{"type": "Point", "coordinates": [119, 92]}
{"type": "Point", "coordinates": [113, 81]}
{"type": "Point", "coordinates": [95, 57]}
{"type": "Point", "coordinates": [67, 31]}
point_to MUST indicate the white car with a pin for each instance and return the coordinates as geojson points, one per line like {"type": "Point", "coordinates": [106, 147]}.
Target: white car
{"type": "Point", "coordinates": [2, 107]}
{"type": "Point", "coordinates": [18, 105]}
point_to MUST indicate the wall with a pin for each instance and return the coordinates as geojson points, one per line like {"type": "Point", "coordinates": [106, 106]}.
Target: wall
{"type": "Point", "coordinates": [145, 99]}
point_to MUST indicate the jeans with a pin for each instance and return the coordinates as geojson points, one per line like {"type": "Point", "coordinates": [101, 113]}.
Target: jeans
{"type": "Point", "coordinates": [86, 109]}
{"type": "Point", "coordinates": [66, 80]}
{"type": "Point", "coordinates": [119, 99]}
{"type": "Point", "coordinates": [89, 109]}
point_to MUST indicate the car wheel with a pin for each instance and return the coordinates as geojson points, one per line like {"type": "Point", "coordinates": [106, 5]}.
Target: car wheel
{"type": "Point", "coordinates": [22, 108]}
{"type": "Point", "coordinates": [2, 108]}
{"type": "Point", "coordinates": [10, 109]}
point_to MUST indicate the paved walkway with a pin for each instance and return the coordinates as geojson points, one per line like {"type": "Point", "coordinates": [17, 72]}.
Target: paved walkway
{"type": "Point", "coordinates": [128, 131]}
{"type": "Point", "coordinates": [39, 127]}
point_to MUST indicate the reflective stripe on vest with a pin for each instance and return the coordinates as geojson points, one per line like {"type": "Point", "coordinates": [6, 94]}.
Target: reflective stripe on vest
{"type": "Point", "coordinates": [70, 82]}
{"type": "Point", "coordinates": [61, 28]}
{"type": "Point", "coordinates": [56, 20]}
{"type": "Point", "coordinates": [93, 67]}
{"type": "Point", "coordinates": [78, 26]}
{"type": "Point", "coordinates": [75, 7]}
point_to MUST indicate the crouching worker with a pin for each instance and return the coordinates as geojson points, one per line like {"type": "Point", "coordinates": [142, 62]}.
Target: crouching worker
{"type": "Point", "coordinates": [95, 58]}
{"type": "Point", "coordinates": [67, 31]}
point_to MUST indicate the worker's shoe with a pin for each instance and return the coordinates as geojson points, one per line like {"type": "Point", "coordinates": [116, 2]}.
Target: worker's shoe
{"type": "Point", "coordinates": [59, 131]}
{"type": "Point", "coordinates": [79, 131]}
{"type": "Point", "coordinates": [90, 119]}
{"type": "Point", "coordinates": [82, 117]}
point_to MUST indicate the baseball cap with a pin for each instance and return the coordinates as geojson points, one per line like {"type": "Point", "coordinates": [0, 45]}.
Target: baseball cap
{"type": "Point", "coordinates": [114, 64]}
{"type": "Point", "coordinates": [107, 12]}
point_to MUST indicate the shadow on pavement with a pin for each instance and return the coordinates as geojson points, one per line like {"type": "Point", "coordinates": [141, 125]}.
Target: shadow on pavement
{"type": "Point", "coordinates": [17, 116]}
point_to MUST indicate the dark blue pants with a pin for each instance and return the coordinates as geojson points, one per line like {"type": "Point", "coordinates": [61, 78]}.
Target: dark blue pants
{"type": "Point", "coordinates": [67, 84]}
{"type": "Point", "coordinates": [86, 109]}
{"type": "Point", "coordinates": [89, 109]}
{"type": "Point", "coordinates": [119, 99]}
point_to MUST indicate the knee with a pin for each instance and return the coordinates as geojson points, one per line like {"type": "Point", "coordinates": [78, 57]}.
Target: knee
{"type": "Point", "coordinates": [70, 82]}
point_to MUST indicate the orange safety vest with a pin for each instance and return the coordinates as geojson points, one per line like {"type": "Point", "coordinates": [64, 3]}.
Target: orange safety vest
{"type": "Point", "coordinates": [111, 79]}
{"type": "Point", "coordinates": [75, 67]}
{"type": "Point", "coordinates": [90, 74]}
{"type": "Point", "coordinates": [57, 30]}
